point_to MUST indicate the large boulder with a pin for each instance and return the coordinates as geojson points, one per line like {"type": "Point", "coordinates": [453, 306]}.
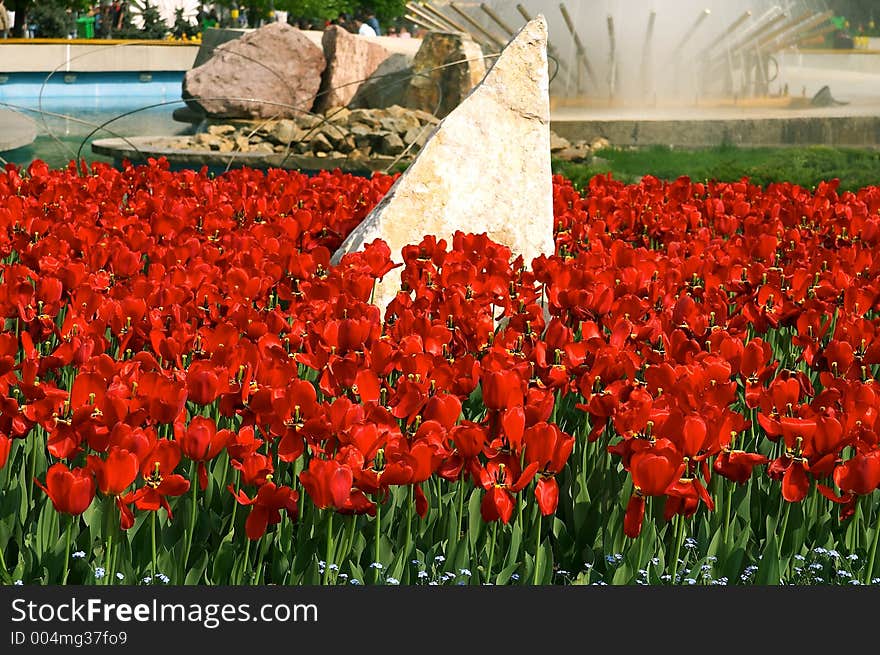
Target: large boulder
{"type": "Point", "coordinates": [445, 69]}
{"type": "Point", "coordinates": [486, 168]}
{"type": "Point", "coordinates": [387, 85]}
{"type": "Point", "coordinates": [351, 59]}
{"type": "Point", "coordinates": [276, 63]}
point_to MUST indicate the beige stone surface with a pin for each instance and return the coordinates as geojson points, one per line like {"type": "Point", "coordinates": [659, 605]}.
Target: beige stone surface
{"type": "Point", "coordinates": [486, 168]}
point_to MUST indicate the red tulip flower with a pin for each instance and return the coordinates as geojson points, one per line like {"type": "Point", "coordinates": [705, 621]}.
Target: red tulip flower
{"type": "Point", "coordinates": [161, 481]}
{"type": "Point", "coordinates": [114, 475]}
{"type": "Point", "coordinates": [737, 465]}
{"type": "Point", "coordinates": [266, 507]}
{"type": "Point", "coordinates": [501, 480]}
{"type": "Point", "coordinates": [200, 441]}
{"type": "Point", "coordinates": [328, 483]}
{"type": "Point", "coordinates": [5, 447]}
{"type": "Point", "coordinates": [70, 490]}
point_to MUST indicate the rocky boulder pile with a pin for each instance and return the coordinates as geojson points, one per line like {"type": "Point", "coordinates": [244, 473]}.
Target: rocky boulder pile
{"type": "Point", "coordinates": [578, 151]}
{"type": "Point", "coordinates": [360, 133]}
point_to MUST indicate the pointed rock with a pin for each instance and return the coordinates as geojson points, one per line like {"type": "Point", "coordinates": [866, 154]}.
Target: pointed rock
{"type": "Point", "coordinates": [485, 169]}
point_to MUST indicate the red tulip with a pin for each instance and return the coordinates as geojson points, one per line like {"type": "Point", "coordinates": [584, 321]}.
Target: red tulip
{"type": "Point", "coordinates": [266, 507]}
{"type": "Point", "coordinates": [70, 490]}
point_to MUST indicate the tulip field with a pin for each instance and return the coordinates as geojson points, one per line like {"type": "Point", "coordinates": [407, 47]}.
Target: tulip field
{"type": "Point", "coordinates": [190, 393]}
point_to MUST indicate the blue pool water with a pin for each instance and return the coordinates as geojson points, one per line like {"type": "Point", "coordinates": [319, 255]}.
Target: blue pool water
{"type": "Point", "coordinates": [69, 106]}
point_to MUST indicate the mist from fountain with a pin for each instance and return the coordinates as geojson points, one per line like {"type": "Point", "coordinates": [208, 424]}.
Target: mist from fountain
{"type": "Point", "coordinates": [664, 52]}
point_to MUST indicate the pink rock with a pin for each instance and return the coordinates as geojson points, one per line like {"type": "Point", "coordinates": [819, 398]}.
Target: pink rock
{"type": "Point", "coordinates": [351, 59]}
{"type": "Point", "coordinates": [276, 62]}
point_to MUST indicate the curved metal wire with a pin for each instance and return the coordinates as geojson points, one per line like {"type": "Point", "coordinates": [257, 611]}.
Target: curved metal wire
{"type": "Point", "coordinates": [323, 119]}
{"type": "Point", "coordinates": [121, 45]}
{"type": "Point", "coordinates": [43, 113]}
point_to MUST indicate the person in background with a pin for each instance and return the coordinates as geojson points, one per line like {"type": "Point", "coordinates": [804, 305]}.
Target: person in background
{"type": "Point", "coordinates": [343, 22]}
{"type": "Point", "coordinates": [392, 31]}
{"type": "Point", "coordinates": [4, 21]}
{"type": "Point", "coordinates": [115, 14]}
{"type": "Point", "coordinates": [373, 22]}
{"type": "Point", "coordinates": [404, 33]}
{"type": "Point", "coordinates": [363, 29]}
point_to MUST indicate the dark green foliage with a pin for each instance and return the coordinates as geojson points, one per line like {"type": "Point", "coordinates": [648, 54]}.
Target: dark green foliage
{"type": "Point", "coordinates": [183, 28]}
{"type": "Point", "coordinates": [53, 20]}
{"type": "Point", "coordinates": [153, 25]}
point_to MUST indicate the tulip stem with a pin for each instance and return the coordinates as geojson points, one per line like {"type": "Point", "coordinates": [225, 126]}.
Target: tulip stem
{"type": "Point", "coordinates": [492, 551]}
{"type": "Point", "coordinates": [153, 542]}
{"type": "Point", "coordinates": [784, 526]}
{"type": "Point", "coordinates": [728, 501]}
{"type": "Point", "coordinates": [4, 572]}
{"type": "Point", "coordinates": [192, 517]}
{"type": "Point", "coordinates": [259, 564]}
{"type": "Point", "coordinates": [679, 538]}
{"type": "Point", "coordinates": [539, 559]}
{"type": "Point", "coordinates": [872, 555]}
{"type": "Point", "coordinates": [108, 558]}
{"type": "Point", "coordinates": [329, 556]}
{"type": "Point", "coordinates": [409, 522]}
{"type": "Point", "coordinates": [67, 551]}
{"type": "Point", "coordinates": [459, 517]}
{"type": "Point", "coordinates": [378, 538]}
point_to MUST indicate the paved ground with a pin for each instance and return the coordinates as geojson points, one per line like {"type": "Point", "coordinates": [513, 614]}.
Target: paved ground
{"type": "Point", "coordinates": [16, 130]}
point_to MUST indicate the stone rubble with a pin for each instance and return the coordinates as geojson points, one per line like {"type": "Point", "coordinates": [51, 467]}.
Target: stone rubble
{"type": "Point", "coordinates": [340, 132]}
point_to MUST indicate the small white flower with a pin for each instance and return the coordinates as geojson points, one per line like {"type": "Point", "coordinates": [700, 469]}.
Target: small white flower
{"type": "Point", "coordinates": [19, 583]}
{"type": "Point", "coordinates": [439, 558]}
{"type": "Point", "coordinates": [120, 576]}
{"type": "Point", "coordinates": [392, 581]}
{"type": "Point", "coordinates": [355, 581]}
{"type": "Point", "coordinates": [377, 565]}
{"type": "Point", "coordinates": [100, 573]}
{"type": "Point", "coordinates": [464, 572]}
{"type": "Point", "coordinates": [423, 574]}
{"type": "Point", "coordinates": [78, 554]}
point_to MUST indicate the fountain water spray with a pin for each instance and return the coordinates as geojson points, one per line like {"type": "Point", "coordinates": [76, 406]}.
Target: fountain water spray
{"type": "Point", "coordinates": [664, 52]}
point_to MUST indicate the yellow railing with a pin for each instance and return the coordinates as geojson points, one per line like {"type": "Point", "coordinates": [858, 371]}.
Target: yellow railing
{"type": "Point", "coordinates": [173, 42]}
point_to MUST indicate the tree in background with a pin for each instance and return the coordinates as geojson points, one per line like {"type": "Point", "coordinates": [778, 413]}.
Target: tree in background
{"type": "Point", "coordinates": [53, 20]}
{"type": "Point", "coordinates": [153, 26]}
{"type": "Point", "coordinates": [856, 11]}
{"type": "Point", "coordinates": [183, 28]}
{"type": "Point", "coordinates": [24, 13]}
{"type": "Point", "coordinates": [386, 10]}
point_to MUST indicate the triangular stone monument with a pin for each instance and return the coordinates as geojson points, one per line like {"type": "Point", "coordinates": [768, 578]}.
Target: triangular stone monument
{"type": "Point", "coordinates": [486, 168]}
